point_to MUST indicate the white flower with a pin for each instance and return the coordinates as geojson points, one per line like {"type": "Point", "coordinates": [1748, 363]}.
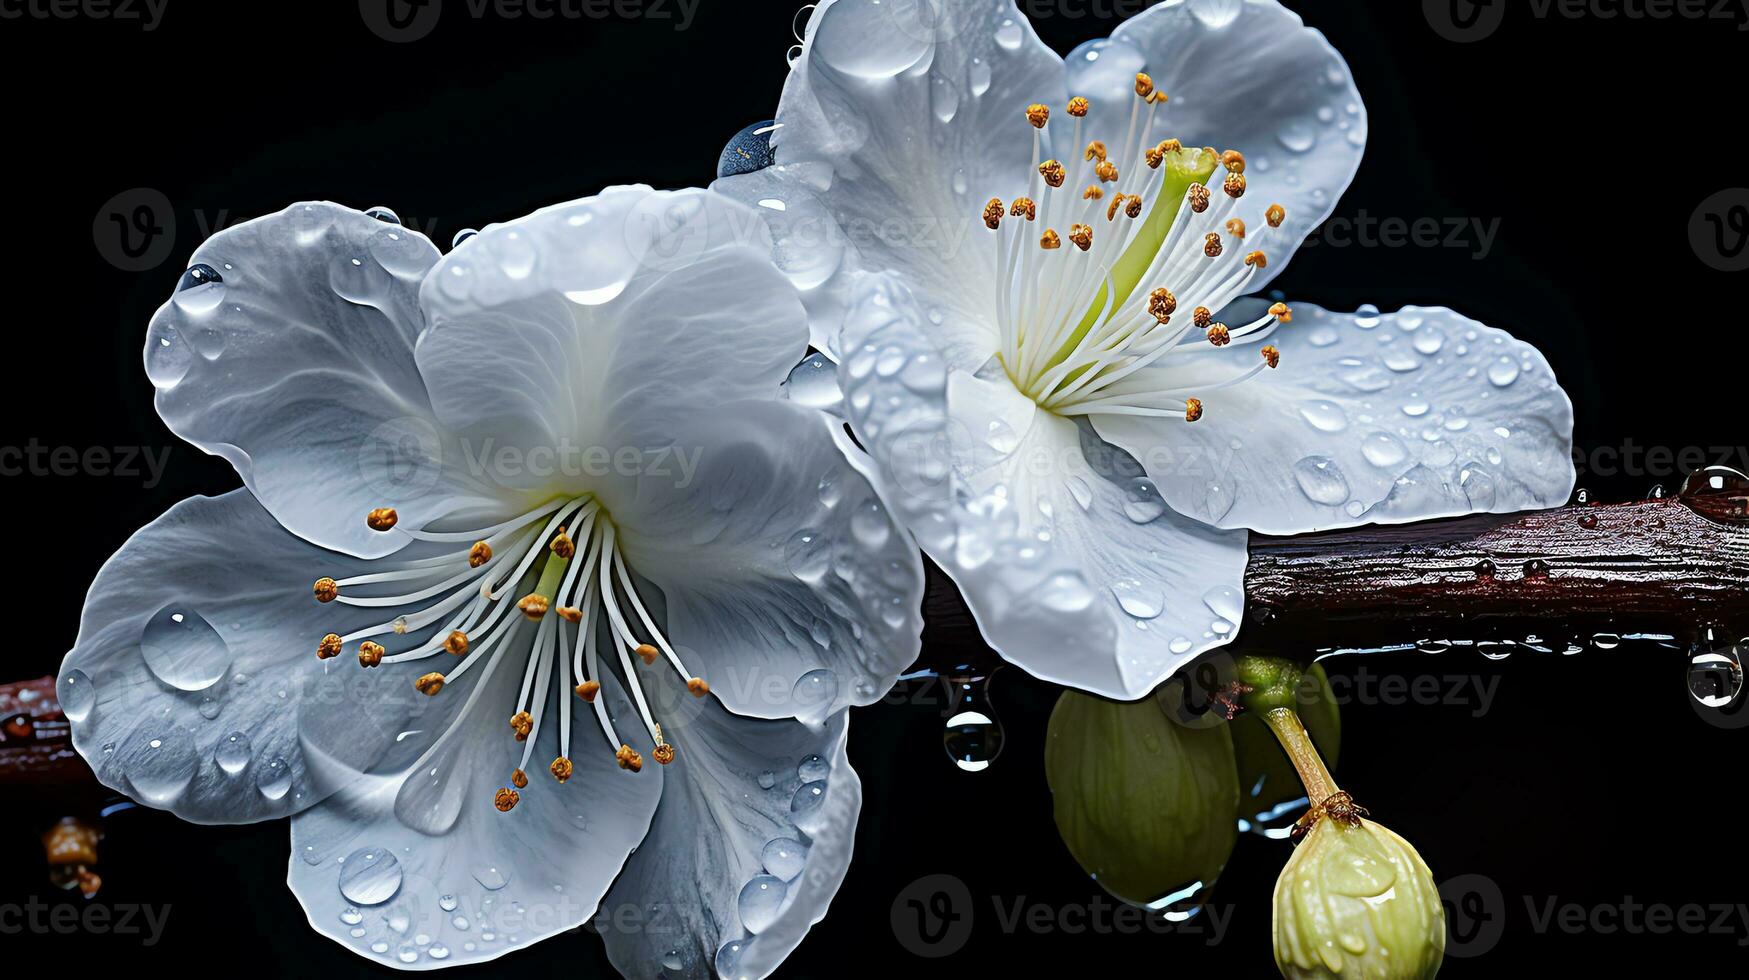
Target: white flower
{"type": "Point", "coordinates": [1037, 306]}
{"type": "Point", "coordinates": [616, 593]}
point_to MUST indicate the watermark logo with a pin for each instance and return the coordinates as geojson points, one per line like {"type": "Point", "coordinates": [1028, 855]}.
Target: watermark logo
{"type": "Point", "coordinates": [135, 230]}
{"type": "Point", "coordinates": [1475, 915]}
{"type": "Point", "coordinates": [932, 917]}
{"type": "Point", "coordinates": [1464, 21]}
{"type": "Point", "coordinates": [400, 21]}
{"type": "Point", "coordinates": [1718, 230]}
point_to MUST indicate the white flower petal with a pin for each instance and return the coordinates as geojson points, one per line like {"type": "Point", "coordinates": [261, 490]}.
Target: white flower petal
{"type": "Point", "coordinates": [753, 837]}
{"type": "Point", "coordinates": [1369, 419]}
{"type": "Point", "coordinates": [196, 659]}
{"type": "Point", "coordinates": [419, 870]}
{"type": "Point", "coordinates": [1248, 75]}
{"type": "Point", "coordinates": [899, 121]}
{"type": "Point", "coordinates": [298, 368]}
{"type": "Point", "coordinates": [591, 325]}
{"type": "Point", "coordinates": [788, 586]}
{"type": "Point", "coordinates": [1073, 566]}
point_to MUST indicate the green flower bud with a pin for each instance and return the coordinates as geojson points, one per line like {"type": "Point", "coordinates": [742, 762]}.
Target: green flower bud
{"type": "Point", "coordinates": [1144, 804]}
{"type": "Point", "coordinates": [1355, 902]}
{"type": "Point", "coordinates": [1266, 776]}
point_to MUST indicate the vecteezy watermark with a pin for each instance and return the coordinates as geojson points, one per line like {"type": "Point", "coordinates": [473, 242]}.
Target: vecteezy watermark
{"type": "Point", "coordinates": [144, 463]}
{"type": "Point", "coordinates": [1656, 462]}
{"type": "Point", "coordinates": [146, 14]}
{"type": "Point", "coordinates": [38, 917]}
{"type": "Point", "coordinates": [404, 21]}
{"type": "Point", "coordinates": [1467, 21]}
{"type": "Point", "coordinates": [1364, 230]}
{"type": "Point", "coordinates": [1718, 231]}
{"type": "Point", "coordinates": [136, 230]}
{"type": "Point", "coordinates": [934, 917]}
{"type": "Point", "coordinates": [1478, 914]}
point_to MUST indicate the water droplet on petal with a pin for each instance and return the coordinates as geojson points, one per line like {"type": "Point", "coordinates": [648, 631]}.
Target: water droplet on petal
{"type": "Point", "coordinates": [1142, 501]}
{"type": "Point", "coordinates": [814, 693]}
{"type": "Point", "coordinates": [1383, 449]}
{"type": "Point", "coordinates": [814, 383]}
{"type": "Point", "coordinates": [1715, 677]}
{"type": "Point", "coordinates": [274, 778]}
{"type": "Point", "coordinates": [159, 766]}
{"type": "Point", "coordinates": [877, 38]}
{"type": "Point", "coordinates": [728, 960]}
{"type": "Point", "coordinates": [76, 694]}
{"type": "Point", "coordinates": [233, 753]}
{"type": "Point", "coordinates": [370, 876]}
{"type": "Point", "coordinates": [1321, 480]}
{"type": "Point", "coordinates": [1325, 416]}
{"type": "Point", "coordinates": [807, 555]}
{"type": "Point", "coordinates": [1138, 599]}
{"type": "Point", "coordinates": [784, 858]}
{"type": "Point", "coordinates": [183, 650]}
{"type": "Point", "coordinates": [1503, 371]}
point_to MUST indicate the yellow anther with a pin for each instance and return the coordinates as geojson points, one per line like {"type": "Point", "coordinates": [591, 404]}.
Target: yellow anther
{"type": "Point", "coordinates": [1133, 207]}
{"type": "Point", "coordinates": [479, 554]}
{"type": "Point", "coordinates": [1170, 146]}
{"type": "Point", "coordinates": [648, 653]}
{"type": "Point", "coordinates": [1082, 236]}
{"type": "Point", "coordinates": [1199, 197]}
{"type": "Point", "coordinates": [562, 545]}
{"type": "Point", "coordinates": [1219, 335]}
{"type": "Point", "coordinates": [1202, 317]}
{"type": "Point", "coordinates": [1162, 304]}
{"type": "Point", "coordinates": [1192, 409]}
{"type": "Point", "coordinates": [1050, 240]}
{"type": "Point", "coordinates": [506, 800]}
{"type": "Point", "coordinates": [664, 753]}
{"type": "Point", "coordinates": [370, 654]}
{"type": "Point", "coordinates": [993, 214]}
{"type": "Point", "coordinates": [329, 648]}
{"type": "Point", "coordinates": [1111, 209]}
{"type": "Point", "coordinates": [1107, 171]}
{"type": "Point", "coordinates": [1257, 259]}
{"type": "Point", "coordinates": [1271, 356]}
{"type": "Point", "coordinates": [1234, 161]}
{"type": "Point", "coordinates": [1234, 185]}
{"type": "Point", "coordinates": [1095, 151]}
{"type": "Point", "coordinates": [326, 589]}
{"type": "Point", "coordinates": [1144, 85]}
{"type": "Point", "coordinates": [381, 519]}
{"type": "Point", "coordinates": [1093, 193]}
{"type": "Point", "coordinates": [1024, 207]}
{"type": "Point", "coordinates": [522, 723]}
{"type": "Point", "coordinates": [1157, 97]}
{"type": "Point", "coordinates": [1275, 215]}
{"type": "Point", "coordinates": [1078, 106]}
{"type": "Point", "coordinates": [570, 614]}
{"type": "Point", "coordinates": [561, 769]}
{"type": "Point", "coordinates": [456, 642]}
{"type": "Point", "coordinates": [588, 690]}
{"type": "Point", "coordinates": [628, 759]}
{"type": "Point", "coordinates": [1052, 172]}
{"type": "Point", "coordinates": [519, 779]}
{"type": "Point", "coordinates": [534, 605]}
{"type": "Point", "coordinates": [1236, 227]}
{"type": "Point", "coordinates": [1038, 114]}
{"type": "Point", "coordinates": [1211, 246]}
{"type": "Point", "coordinates": [1154, 157]}
{"type": "Point", "coordinates": [1281, 312]}
{"type": "Point", "coordinates": [697, 687]}
{"type": "Point", "coordinates": [429, 684]}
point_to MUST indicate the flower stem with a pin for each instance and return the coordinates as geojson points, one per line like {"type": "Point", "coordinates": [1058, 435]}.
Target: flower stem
{"type": "Point", "coordinates": [1297, 743]}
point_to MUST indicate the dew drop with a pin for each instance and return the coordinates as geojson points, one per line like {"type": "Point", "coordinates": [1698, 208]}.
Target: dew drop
{"type": "Point", "coordinates": [808, 798]}
{"type": "Point", "coordinates": [491, 878]}
{"type": "Point", "coordinates": [1502, 372]}
{"type": "Point", "coordinates": [159, 766]}
{"type": "Point", "coordinates": [370, 876]}
{"type": "Point", "coordinates": [183, 650]}
{"type": "Point", "coordinates": [1321, 480]}
{"type": "Point", "coordinates": [233, 753]}
{"type": "Point", "coordinates": [1383, 449]}
{"type": "Point", "coordinates": [76, 694]}
{"type": "Point", "coordinates": [807, 555]}
{"type": "Point", "coordinates": [814, 383]}
{"type": "Point", "coordinates": [814, 693]}
{"type": "Point", "coordinates": [1142, 501]}
{"type": "Point", "coordinates": [1139, 599]}
{"type": "Point", "coordinates": [1324, 416]}
{"type": "Point", "coordinates": [274, 779]}
{"type": "Point", "coordinates": [879, 38]}
{"type": "Point", "coordinates": [1715, 678]}
{"type": "Point", "coordinates": [784, 858]}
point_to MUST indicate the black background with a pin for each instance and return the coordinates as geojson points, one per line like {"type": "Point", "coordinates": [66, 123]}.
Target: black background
{"type": "Point", "coordinates": [1592, 141]}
